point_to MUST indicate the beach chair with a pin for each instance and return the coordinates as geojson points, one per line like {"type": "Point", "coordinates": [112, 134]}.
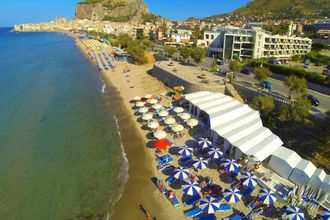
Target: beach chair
{"type": "Point", "coordinates": [224, 208]}
{"type": "Point", "coordinates": [175, 202]}
{"type": "Point", "coordinates": [207, 217]}
{"type": "Point", "coordinates": [192, 200]}
{"type": "Point", "coordinates": [170, 180]}
{"type": "Point", "coordinates": [184, 160]}
{"type": "Point", "coordinates": [164, 160]}
{"type": "Point", "coordinates": [193, 213]}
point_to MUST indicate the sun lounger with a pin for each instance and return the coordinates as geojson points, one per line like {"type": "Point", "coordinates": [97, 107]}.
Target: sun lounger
{"type": "Point", "coordinates": [193, 213]}
{"type": "Point", "coordinates": [224, 208]}
{"type": "Point", "coordinates": [207, 217]}
{"type": "Point", "coordinates": [161, 186]}
{"type": "Point", "coordinates": [192, 200]}
{"type": "Point", "coordinates": [164, 160]}
{"type": "Point", "coordinates": [170, 180]}
{"type": "Point", "coordinates": [175, 202]}
{"type": "Point", "coordinates": [236, 217]}
{"type": "Point", "coordinates": [184, 160]}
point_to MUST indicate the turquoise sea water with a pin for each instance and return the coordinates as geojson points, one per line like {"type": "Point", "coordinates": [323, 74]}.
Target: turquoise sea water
{"type": "Point", "coordinates": [59, 148]}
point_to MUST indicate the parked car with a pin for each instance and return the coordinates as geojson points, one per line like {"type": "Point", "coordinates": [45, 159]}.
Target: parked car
{"type": "Point", "coordinates": [326, 72]}
{"type": "Point", "coordinates": [274, 62]}
{"type": "Point", "coordinates": [307, 66]}
{"type": "Point", "coordinates": [246, 71]}
{"type": "Point", "coordinates": [313, 100]}
{"type": "Point", "coordinates": [219, 62]}
{"type": "Point", "coordinates": [284, 61]}
{"type": "Point", "coordinates": [267, 85]}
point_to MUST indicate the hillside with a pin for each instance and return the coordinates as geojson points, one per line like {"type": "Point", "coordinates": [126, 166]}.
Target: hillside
{"type": "Point", "coordinates": [282, 9]}
{"type": "Point", "coordinates": [112, 10]}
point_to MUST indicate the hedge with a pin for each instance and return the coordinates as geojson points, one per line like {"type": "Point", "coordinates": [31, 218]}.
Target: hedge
{"type": "Point", "coordinates": [319, 78]}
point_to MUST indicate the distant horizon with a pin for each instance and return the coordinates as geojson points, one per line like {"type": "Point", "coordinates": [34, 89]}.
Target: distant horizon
{"type": "Point", "coordinates": [17, 12]}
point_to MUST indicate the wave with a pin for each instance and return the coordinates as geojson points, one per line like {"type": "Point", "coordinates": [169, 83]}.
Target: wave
{"type": "Point", "coordinates": [104, 86]}
{"type": "Point", "coordinates": [123, 175]}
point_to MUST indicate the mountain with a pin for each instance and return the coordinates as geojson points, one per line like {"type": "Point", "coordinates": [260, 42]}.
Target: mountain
{"type": "Point", "coordinates": [284, 9]}
{"type": "Point", "coordinates": [112, 10]}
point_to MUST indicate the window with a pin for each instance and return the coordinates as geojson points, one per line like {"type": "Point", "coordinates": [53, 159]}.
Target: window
{"type": "Point", "coordinates": [212, 37]}
{"type": "Point", "coordinates": [207, 36]}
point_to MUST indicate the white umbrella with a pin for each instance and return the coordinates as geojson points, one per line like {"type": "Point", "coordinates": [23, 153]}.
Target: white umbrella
{"type": "Point", "coordinates": [192, 122]}
{"type": "Point", "coordinates": [169, 120]}
{"type": "Point", "coordinates": [200, 163]}
{"type": "Point", "coordinates": [153, 125]}
{"type": "Point", "coordinates": [160, 134]}
{"type": "Point", "coordinates": [204, 143]}
{"type": "Point", "coordinates": [143, 110]}
{"type": "Point", "coordinates": [178, 110]}
{"type": "Point", "coordinates": [184, 116]}
{"type": "Point", "coordinates": [136, 98]}
{"type": "Point", "coordinates": [163, 113]}
{"type": "Point", "coordinates": [139, 104]}
{"type": "Point", "coordinates": [191, 187]}
{"type": "Point", "coordinates": [177, 128]}
{"type": "Point", "coordinates": [148, 96]}
{"type": "Point", "coordinates": [152, 101]}
{"type": "Point", "coordinates": [147, 116]}
{"type": "Point", "coordinates": [157, 106]}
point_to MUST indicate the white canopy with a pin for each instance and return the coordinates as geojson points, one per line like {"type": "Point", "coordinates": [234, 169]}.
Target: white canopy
{"type": "Point", "coordinates": [325, 186]}
{"type": "Point", "coordinates": [302, 173]}
{"type": "Point", "coordinates": [195, 95]}
{"type": "Point", "coordinates": [317, 178]}
{"type": "Point", "coordinates": [283, 161]}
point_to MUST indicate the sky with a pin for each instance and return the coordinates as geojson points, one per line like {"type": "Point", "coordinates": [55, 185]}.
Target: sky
{"type": "Point", "coordinates": [28, 11]}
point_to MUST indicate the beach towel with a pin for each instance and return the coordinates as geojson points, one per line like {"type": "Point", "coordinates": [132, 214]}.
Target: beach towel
{"type": "Point", "coordinates": [193, 213]}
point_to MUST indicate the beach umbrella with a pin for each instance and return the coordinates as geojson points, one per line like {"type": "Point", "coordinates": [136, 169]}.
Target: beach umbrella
{"type": "Point", "coordinates": [249, 180]}
{"type": "Point", "coordinates": [148, 96]}
{"type": "Point", "coordinates": [231, 166]}
{"type": "Point", "coordinates": [232, 195]}
{"type": "Point", "coordinates": [153, 125]}
{"type": "Point", "coordinates": [267, 197]}
{"type": "Point", "coordinates": [178, 110]}
{"type": "Point", "coordinates": [177, 128]}
{"type": "Point", "coordinates": [147, 116]}
{"type": "Point", "coordinates": [181, 173]}
{"type": "Point", "coordinates": [185, 151]}
{"type": "Point", "coordinates": [185, 116]}
{"type": "Point", "coordinates": [163, 113]}
{"type": "Point", "coordinates": [192, 122]}
{"type": "Point", "coordinates": [191, 187]}
{"type": "Point", "coordinates": [157, 106]}
{"type": "Point", "coordinates": [143, 110]}
{"type": "Point", "coordinates": [152, 101]}
{"type": "Point", "coordinates": [136, 98]}
{"type": "Point", "coordinates": [169, 120]}
{"type": "Point", "coordinates": [159, 134]}
{"type": "Point", "coordinates": [139, 104]}
{"type": "Point", "coordinates": [325, 214]}
{"type": "Point", "coordinates": [161, 144]}
{"type": "Point", "coordinates": [204, 143]}
{"type": "Point", "coordinates": [200, 163]}
{"type": "Point", "coordinates": [294, 213]}
{"type": "Point", "coordinates": [215, 153]}
{"type": "Point", "coordinates": [209, 205]}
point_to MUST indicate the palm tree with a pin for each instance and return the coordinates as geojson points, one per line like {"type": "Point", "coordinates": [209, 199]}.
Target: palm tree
{"type": "Point", "coordinates": [296, 85]}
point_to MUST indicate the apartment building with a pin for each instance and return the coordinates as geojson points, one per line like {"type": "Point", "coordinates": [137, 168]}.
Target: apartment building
{"type": "Point", "coordinates": [227, 43]}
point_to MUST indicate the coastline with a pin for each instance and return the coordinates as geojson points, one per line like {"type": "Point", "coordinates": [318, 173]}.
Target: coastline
{"type": "Point", "coordinates": [138, 189]}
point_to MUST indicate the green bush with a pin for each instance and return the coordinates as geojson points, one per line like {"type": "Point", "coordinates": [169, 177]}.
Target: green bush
{"type": "Point", "coordinates": [299, 72]}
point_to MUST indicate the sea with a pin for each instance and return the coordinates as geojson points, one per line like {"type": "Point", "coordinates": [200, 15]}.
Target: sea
{"type": "Point", "coordinates": [61, 155]}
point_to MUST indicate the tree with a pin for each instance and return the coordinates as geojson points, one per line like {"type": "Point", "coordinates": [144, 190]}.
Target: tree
{"type": "Point", "coordinates": [235, 66]}
{"type": "Point", "coordinates": [213, 66]}
{"type": "Point", "coordinates": [170, 50]}
{"type": "Point", "coordinates": [185, 53]}
{"type": "Point", "coordinates": [300, 109]}
{"type": "Point", "coordinates": [264, 104]}
{"type": "Point", "coordinates": [284, 113]}
{"type": "Point", "coordinates": [198, 54]}
{"type": "Point", "coordinates": [262, 73]}
{"type": "Point", "coordinates": [296, 85]}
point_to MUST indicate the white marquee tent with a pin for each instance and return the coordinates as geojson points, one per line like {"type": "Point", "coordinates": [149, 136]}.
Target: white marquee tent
{"type": "Point", "coordinates": [302, 172]}
{"type": "Point", "coordinates": [325, 186]}
{"type": "Point", "coordinates": [283, 161]}
{"type": "Point", "coordinates": [317, 178]}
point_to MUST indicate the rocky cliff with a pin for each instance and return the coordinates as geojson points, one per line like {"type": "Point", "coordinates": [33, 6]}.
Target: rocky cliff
{"type": "Point", "coordinates": [112, 10]}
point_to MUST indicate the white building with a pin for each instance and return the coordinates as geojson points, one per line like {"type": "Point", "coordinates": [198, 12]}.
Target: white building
{"type": "Point", "coordinates": [227, 43]}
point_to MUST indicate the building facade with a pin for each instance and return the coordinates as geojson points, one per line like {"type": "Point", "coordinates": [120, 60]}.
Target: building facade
{"type": "Point", "coordinates": [229, 43]}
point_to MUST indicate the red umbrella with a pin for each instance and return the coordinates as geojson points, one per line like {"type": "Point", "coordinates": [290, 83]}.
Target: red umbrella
{"type": "Point", "coordinates": [162, 143]}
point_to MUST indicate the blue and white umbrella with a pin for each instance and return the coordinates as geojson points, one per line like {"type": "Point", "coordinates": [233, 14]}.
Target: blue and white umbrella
{"type": "Point", "coordinates": [209, 205]}
{"type": "Point", "coordinates": [191, 187]}
{"type": "Point", "coordinates": [249, 180]}
{"type": "Point", "coordinates": [267, 197]}
{"type": "Point", "coordinates": [231, 166]}
{"type": "Point", "coordinates": [204, 143]}
{"type": "Point", "coordinates": [215, 153]}
{"type": "Point", "coordinates": [325, 214]}
{"type": "Point", "coordinates": [294, 213]}
{"type": "Point", "coordinates": [232, 195]}
{"type": "Point", "coordinates": [181, 173]}
{"type": "Point", "coordinates": [200, 163]}
{"type": "Point", "coordinates": [185, 151]}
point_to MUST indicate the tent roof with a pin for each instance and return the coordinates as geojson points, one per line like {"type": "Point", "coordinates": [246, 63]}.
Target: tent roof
{"type": "Point", "coordinates": [319, 174]}
{"type": "Point", "coordinates": [191, 96]}
{"type": "Point", "coordinates": [306, 166]}
{"type": "Point", "coordinates": [288, 155]}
